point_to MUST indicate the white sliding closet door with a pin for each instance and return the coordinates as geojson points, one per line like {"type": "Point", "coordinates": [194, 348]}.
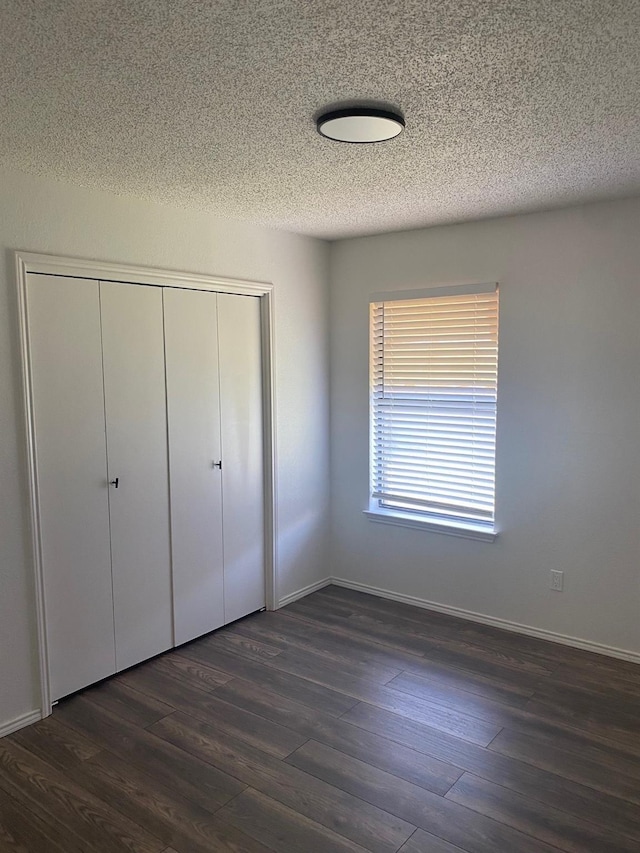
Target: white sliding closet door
{"type": "Point", "coordinates": [71, 467]}
{"type": "Point", "coordinates": [193, 406]}
{"type": "Point", "coordinates": [135, 405]}
{"type": "Point", "coordinates": [239, 338]}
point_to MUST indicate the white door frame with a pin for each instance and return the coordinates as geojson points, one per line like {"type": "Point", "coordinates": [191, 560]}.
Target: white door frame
{"type": "Point", "coordinates": [29, 262]}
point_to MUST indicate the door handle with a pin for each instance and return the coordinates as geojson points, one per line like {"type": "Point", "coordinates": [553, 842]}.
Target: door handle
{"type": "Point", "coordinates": [114, 482]}
{"type": "Point", "coordinates": [217, 465]}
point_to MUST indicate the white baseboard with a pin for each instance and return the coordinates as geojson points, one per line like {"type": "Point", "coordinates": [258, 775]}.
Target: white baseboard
{"type": "Point", "coordinates": [19, 722]}
{"type": "Point", "coordinates": [300, 593]}
{"type": "Point", "coordinates": [30, 717]}
{"type": "Point", "coordinates": [516, 627]}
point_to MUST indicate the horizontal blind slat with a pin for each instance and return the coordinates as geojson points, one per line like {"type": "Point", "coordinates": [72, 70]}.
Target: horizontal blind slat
{"type": "Point", "coordinates": [433, 403]}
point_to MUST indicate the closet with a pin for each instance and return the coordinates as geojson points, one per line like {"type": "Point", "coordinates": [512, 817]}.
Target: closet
{"type": "Point", "coordinates": [148, 456]}
{"type": "Point", "coordinates": [214, 396]}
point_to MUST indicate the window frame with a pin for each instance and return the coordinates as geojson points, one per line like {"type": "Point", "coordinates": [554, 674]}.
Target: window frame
{"type": "Point", "coordinates": [415, 518]}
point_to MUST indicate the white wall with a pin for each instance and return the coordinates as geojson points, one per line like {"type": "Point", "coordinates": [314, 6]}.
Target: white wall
{"type": "Point", "coordinates": [43, 216]}
{"type": "Point", "coordinates": [568, 449]}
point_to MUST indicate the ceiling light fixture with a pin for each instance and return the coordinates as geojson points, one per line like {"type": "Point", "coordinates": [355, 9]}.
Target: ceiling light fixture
{"type": "Point", "coordinates": [360, 125]}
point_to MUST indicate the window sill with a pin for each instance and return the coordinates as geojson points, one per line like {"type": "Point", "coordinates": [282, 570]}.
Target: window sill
{"type": "Point", "coordinates": [449, 528]}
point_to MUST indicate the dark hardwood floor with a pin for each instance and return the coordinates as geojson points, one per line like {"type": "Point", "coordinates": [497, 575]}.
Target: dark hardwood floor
{"type": "Point", "coordinates": [343, 722]}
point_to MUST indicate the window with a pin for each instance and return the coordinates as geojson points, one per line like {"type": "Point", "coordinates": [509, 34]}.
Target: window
{"type": "Point", "coordinates": [434, 366]}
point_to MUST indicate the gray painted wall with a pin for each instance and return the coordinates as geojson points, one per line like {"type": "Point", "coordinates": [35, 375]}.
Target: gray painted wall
{"type": "Point", "coordinates": [45, 216]}
{"type": "Point", "coordinates": [568, 446]}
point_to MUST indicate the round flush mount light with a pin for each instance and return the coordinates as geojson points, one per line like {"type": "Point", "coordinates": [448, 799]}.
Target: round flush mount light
{"type": "Point", "coordinates": [360, 125]}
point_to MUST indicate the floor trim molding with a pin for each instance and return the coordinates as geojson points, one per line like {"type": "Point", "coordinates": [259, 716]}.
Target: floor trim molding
{"type": "Point", "coordinates": [516, 627]}
{"type": "Point", "coordinates": [306, 590]}
{"type": "Point", "coordinates": [30, 717]}
{"type": "Point", "coordinates": [19, 722]}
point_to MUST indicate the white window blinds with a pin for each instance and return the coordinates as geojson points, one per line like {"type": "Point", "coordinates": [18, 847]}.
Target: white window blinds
{"type": "Point", "coordinates": [434, 363]}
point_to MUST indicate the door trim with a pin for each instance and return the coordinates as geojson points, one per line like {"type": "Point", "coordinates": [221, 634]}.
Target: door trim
{"type": "Point", "coordinates": [30, 262]}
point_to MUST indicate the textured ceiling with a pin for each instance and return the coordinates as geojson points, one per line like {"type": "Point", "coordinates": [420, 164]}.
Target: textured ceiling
{"type": "Point", "coordinates": [510, 105]}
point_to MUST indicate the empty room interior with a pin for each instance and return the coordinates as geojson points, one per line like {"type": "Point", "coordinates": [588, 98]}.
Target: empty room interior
{"type": "Point", "coordinates": [320, 426]}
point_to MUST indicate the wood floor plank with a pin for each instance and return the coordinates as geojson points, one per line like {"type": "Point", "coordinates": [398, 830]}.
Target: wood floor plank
{"type": "Point", "coordinates": [256, 649]}
{"type": "Point", "coordinates": [583, 801]}
{"type": "Point", "coordinates": [97, 824]}
{"type": "Point", "coordinates": [349, 667]}
{"type": "Point", "coordinates": [369, 783]}
{"type": "Point", "coordinates": [288, 633]}
{"type": "Point", "coordinates": [367, 825]}
{"type": "Point", "coordinates": [406, 763]}
{"type": "Point", "coordinates": [457, 644]}
{"type": "Point", "coordinates": [559, 657]}
{"type": "Point", "coordinates": [262, 733]}
{"type": "Point", "coordinates": [540, 721]}
{"type": "Point", "coordinates": [416, 662]}
{"type": "Point", "coordinates": [282, 828]}
{"type": "Point", "coordinates": [167, 687]}
{"type": "Point", "coordinates": [430, 630]}
{"type": "Point", "coordinates": [138, 708]}
{"type": "Point", "coordinates": [428, 811]}
{"type": "Point", "coordinates": [334, 607]}
{"type": "Point", "coordinates": [610, 773]}
{"type": "Point", "coordinates": [167, 814]}
{"type": "Point", "coordinates": [424, 842]}
{"type": "Point", "coordinates": [605, 666]}
{"type": "Point", "coordinates": [501, 667]}
{"type": "Point", "coordinates": [586, 743]}
{"type": "Point", "coordinates": [586, 712]}
{"type": "Point", "coordinates": [288, 630]}
{"type": "Point", "coordinates": [54, 743]}
{"type": "Point", "coordinates": [555, 707]}
{"type": "Point", "coordinates": [431, 622]}
{"type": "Point", "coordinates": [532, 717]}
{"type": "Point", "coordinates": [196, 780]}
{"type": "Point", "coordinates": [188, 671]}
{"type": "Point", "coordinates": [437, 715]}
{"type": "Point", "coordinates": [542, 821]}
{"type": "Point", "coordinates": [463, 701]}
{"type": "Point", "coordinates": [338, 724]}
{"type": "Point", "coordinates": [308, 693]}
{"type": "Point", "coordinates": [601, 680]}
{"type": "Point", "coordinates": [10, 842]}
{"type": "Point", "coordinates": [24, 831]}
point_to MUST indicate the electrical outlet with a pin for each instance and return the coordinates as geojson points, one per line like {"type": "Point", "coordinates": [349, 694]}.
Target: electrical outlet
{"type": "Point", "coordinates": [556, 580]}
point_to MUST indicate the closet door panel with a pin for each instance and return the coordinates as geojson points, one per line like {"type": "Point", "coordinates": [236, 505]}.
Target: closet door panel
{"type": "Point", "coordinates": [193, 407]}
{"type": "Point", "coordinates": [135, 404]}
{"type": "Point", "coordinates": [68, 409]}
{"type": "Point", "coordinates": [239, 339]}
